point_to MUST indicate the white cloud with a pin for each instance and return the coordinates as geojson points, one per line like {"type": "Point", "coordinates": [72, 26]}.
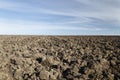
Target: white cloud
{"type": "Point", "coordinates": [96, 9]}
{"type": "Point", "coordinates": [19, 25]}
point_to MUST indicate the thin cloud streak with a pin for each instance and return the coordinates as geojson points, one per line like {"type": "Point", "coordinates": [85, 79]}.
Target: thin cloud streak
{"type": "Point", "coordinates": [14, 6]}
{"type": "Point", "coordinates": [38, 26]}
{"type": "Point", "coordinates": [94, 13]}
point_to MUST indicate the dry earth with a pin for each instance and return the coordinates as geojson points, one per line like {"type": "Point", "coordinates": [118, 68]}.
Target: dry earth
{"type": "Point", "coordinates": [59, 58]}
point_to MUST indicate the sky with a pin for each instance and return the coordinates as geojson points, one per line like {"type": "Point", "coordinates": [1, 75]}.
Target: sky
{"type": "Point", "coordinates": [60, 17]}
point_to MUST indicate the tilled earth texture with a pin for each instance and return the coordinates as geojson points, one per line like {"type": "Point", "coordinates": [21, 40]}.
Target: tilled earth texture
{"type": "Point", "coordinates": [59, 58]}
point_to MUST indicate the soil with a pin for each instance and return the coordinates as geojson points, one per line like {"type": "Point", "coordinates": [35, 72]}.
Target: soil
{"type": "Point", "coordinates": [59, 57]}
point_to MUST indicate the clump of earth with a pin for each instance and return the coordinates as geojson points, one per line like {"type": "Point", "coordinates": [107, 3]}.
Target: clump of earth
{"type": "Point", "coordinates": [59, 58]}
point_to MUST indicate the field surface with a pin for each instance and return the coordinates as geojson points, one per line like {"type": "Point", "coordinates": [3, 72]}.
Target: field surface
{"type": "Point", "coordinates": [59, 58]}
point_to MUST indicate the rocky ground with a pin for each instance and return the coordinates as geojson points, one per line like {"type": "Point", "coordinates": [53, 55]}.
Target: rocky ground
{"type": "Point", "coordinates": [59, 58]}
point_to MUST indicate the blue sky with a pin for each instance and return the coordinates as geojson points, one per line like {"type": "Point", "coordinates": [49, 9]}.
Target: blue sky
{"type": "Point", "coordinates": [60, 17]}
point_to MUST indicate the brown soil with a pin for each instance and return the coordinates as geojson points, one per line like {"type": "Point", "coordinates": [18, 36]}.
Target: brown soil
{"type": "Point", "coordinates": [59, 58]}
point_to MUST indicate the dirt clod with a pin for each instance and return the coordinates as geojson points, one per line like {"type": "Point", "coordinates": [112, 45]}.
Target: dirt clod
{"type": "Point", "coordinates": [59, 58]}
